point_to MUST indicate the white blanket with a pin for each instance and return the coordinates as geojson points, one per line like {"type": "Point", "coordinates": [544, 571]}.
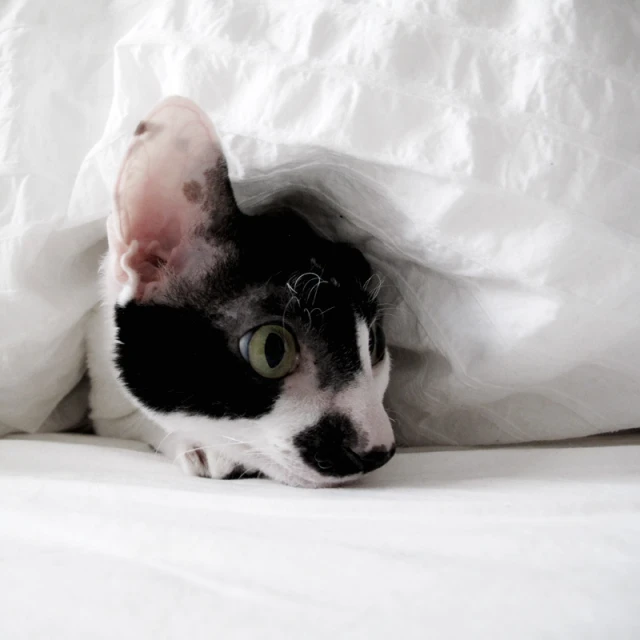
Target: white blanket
{"type": "Point", "coordinates": [486, 155]}
{"type": "Point", "coordinates": [101, 540]}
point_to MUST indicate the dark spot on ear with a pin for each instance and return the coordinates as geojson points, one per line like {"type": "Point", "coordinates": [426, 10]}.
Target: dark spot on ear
{"type": "Point", "coordinates": [141, 128]}
{"type": "Point", "coordinates": [192, 191]}
{"type": "Point", "coordinates": [218, 194]}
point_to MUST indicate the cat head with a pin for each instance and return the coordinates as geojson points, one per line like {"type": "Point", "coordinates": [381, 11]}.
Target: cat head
{"type": "Point", "coordinates": [246, 332]}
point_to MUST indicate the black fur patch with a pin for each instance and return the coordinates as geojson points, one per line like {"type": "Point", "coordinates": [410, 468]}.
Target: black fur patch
{"type": "Point", "coordinates": [174, 359]}
{"type": "Point", "coordinates": [327, 446]}
{"type": "Point", "coordinates": [376, 457]}
{"type": "Point", "coordinates": [240, 473]}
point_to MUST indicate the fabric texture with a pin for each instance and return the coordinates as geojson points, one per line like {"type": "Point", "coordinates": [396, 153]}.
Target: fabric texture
{"type": "Point", "coordinates": [102, 539]}
{"type": "Point", "coordinates": [484, 154]}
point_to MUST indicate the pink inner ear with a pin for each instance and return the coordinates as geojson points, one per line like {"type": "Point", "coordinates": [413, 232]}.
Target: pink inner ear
{"type": "Point", "coordinates": [163, 192]}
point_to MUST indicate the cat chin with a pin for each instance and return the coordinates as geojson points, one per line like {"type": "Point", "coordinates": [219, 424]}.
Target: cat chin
{"type": "Point", "coordinates": [294, 477]}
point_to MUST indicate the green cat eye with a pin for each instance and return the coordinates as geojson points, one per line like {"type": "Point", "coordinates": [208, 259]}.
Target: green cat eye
{"type": "Point", "coordinates": [271, 350]}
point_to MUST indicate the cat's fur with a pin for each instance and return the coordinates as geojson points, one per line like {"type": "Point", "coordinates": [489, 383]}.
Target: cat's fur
{"type": "Point", "coordinates": [186, 276]}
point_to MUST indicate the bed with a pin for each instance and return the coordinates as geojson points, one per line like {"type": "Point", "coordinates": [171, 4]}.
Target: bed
{"type": "Point", "coordinates": [103, 539]}
{"type": "Point", "coordinates": [486, 157]}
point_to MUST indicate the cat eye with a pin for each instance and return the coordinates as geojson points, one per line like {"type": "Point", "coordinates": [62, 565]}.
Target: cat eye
{"type": "Point", "coordinates": [377, 343]}
{"type": "Point", "coordinates": [271, 350]}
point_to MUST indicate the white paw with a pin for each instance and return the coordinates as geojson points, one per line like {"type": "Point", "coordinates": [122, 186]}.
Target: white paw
{"type": "Point", "coordinates": [197, 460]}
{"type": "Point", "coordinates": [206, 462]}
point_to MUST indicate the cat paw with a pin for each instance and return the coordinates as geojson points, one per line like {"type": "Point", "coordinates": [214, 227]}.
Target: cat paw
{"type": "Point", "coordinates": [196, 460]}
{"type": "Point", "coordinates": [205, 462]}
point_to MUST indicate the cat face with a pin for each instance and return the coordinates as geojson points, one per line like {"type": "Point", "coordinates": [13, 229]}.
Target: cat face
{"type": "Point", "coordinates": [248, 333]}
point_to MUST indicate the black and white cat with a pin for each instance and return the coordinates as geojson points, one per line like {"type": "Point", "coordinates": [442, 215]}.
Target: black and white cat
{"type": "Point", "coordinates": [236, 344]}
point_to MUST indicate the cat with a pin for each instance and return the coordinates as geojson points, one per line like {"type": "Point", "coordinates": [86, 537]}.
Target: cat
{"type": "Point", "coordinates": [238, 345]}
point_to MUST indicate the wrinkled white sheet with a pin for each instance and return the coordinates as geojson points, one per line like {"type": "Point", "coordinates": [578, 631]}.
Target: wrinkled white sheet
{"type": "Point", "coordinates": [103, 540]}
{"type": "Point", "coordinates": [489, 151]}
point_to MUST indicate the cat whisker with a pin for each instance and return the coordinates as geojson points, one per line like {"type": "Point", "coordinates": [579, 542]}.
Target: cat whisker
{"type": "Point", "coordinates": [304, 275]}
{"type": "Point", "coordinates": [316, 288]}
{"type": "Point", "coordinates": [233, 439]}
{"type": "Point", "coordinates": [226, 445]}
{"type": "Point", "coordinates": [236, 441]}
{"type": "Point", "coordinates": [374, 293]}
{"type": "Point", "coordinates": [311, 285]}
{"type": "Point", "coordinates": [156, 449]}
{"type": "Point", "coordinates": [294, 299]}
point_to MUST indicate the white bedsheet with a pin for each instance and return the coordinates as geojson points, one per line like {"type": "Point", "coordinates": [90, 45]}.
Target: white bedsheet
{"type": "Point", "coordinates": [103, 540]}
{"type": "Point", "coordinates": [489, 151]}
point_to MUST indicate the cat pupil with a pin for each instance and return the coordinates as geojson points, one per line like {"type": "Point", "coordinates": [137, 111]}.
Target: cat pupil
{"type": "Point", "coordinates": [372, 341]}
{"type": "Point", "coordinates": [377, 343]}
{"type": "Point", "coordinates": [274, 349]}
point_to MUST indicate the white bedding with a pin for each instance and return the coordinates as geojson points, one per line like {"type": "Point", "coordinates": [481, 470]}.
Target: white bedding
{"type": "Point", "coordinates": [104, 540]}
{"type": "Point", "coordinates": [486, 154]}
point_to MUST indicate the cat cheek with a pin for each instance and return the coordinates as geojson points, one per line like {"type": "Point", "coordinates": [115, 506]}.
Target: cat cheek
{"type": "Point", "coordinates": [303, 383]}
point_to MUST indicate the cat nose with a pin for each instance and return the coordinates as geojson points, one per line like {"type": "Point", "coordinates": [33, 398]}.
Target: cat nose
{"type": "Point", "coordinates": [329, 447]}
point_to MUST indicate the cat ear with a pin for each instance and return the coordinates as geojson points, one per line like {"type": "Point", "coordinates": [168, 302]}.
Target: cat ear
{"type": "Point", "coordinates": [173, 187]}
